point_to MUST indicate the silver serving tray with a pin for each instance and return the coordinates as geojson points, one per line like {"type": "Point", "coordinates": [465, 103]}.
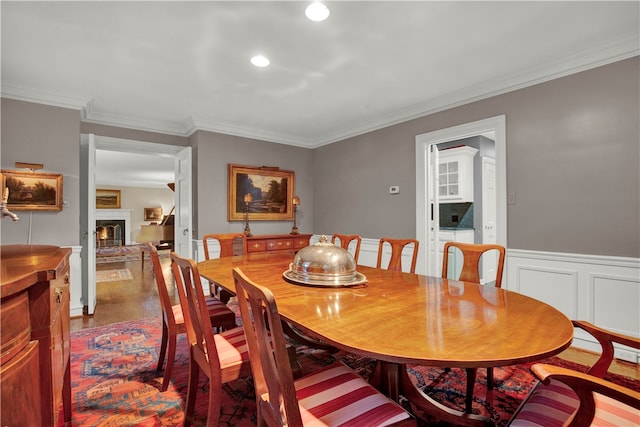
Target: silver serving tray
{"type": "Point", "coordinates": [292, 277]}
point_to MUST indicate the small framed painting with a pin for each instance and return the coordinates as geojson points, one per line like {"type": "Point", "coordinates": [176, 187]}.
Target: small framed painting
{"type": "Point", "coordinates": [152, 214]}
{"type": "Point", "coordinates": [107, 199]}
{"type": "Point", "coordinates": [32, 191]}
{"type": "Point", "coordinates": [266, 192]}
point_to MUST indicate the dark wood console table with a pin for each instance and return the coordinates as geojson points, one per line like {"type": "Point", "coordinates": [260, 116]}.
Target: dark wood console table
{"type": "Point", "coordinates": [277, 242]}
{"type": "Point", "coordinates": [35, 376]}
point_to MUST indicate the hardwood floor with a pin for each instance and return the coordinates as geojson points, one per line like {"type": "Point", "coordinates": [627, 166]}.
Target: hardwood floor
{"type": "Point", "coordinates": [119, 301]}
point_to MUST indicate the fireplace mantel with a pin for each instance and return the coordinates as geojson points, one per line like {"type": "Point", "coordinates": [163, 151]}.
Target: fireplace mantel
{"type": "Point", "coordinates": [121, 214]}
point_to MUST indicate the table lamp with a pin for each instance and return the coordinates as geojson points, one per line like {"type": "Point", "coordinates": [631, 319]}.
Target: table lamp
{"type": "Point", "coordinates": [295, 202]}
{"type": "Point", "coordinates": [248, 198]}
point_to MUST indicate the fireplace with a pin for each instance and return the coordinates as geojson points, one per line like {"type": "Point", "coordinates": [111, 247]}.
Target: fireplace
{"type": "Point", "coordinates": [110, 232]}
{"type": "Point", "coordinates": [117, 227]}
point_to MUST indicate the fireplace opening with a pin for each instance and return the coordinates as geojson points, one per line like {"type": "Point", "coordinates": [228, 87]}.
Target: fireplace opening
{"type": "Point", "coordinates": [110, 232]}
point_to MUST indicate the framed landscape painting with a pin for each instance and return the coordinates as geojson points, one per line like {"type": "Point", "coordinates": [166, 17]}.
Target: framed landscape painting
{"type": "Point", "coordinates": [152, 214]}
{"type": "Point", "coordinates": [269, 189]}
{"type": "Point", "coordinates": [107, 199]}
{"type": "Point", "coordinates": [32, 191]}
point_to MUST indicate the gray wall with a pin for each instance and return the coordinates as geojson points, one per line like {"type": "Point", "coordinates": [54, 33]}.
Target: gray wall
{"type": "Point", "coordinates": [212, 153]}
{"type": "Point", "coordinates": [572, 160]}
{"type": "Point", "coordinates": [35, 133]}
{"type": "Point", "coordinates": [573, 156]}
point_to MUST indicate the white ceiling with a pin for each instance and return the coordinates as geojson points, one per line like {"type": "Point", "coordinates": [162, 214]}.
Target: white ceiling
{"type": "Point", "coordinates": [175, 67]}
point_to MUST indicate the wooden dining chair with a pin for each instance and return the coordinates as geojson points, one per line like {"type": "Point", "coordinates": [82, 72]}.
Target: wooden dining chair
{"type": "Point", "coordinates": [221, 317]}
{"type": "Point", "coordinates": [231, 244]}
{"type": "Point", "coordinates": [223, 357]}
{"type": "Point", "coordinates": [397, 247]}
{"type": "Point", "coordinates": [470, 272]}
{"type": "Point", "coordinates": [345, 240]}
{"type": "Point", "coordinates": [334, 395]}
{"type": "Point", "coordinates": [569, 398]}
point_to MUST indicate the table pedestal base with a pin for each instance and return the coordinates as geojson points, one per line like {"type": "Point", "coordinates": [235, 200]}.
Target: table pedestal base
{"type": "Point", "coordinates": [393, 380]}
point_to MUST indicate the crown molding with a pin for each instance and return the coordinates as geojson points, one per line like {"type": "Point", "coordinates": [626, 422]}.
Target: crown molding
{"type": "Point", "coordinates": [246, 132]}
{"type": "Point", "coordinates": [21, 93]}
{"type": "Point", "coordinates": [596, 56]}
{"type": "Point", "coordinates": [90, 115]}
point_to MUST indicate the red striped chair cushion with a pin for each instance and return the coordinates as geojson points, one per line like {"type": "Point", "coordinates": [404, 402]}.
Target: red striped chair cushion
{"type": "Point", "coordinates": [336, 395]}
{"type": "Point", "coordinates": [215, 307]}
{"type": "Point", "coordinates": [232, 346]}
{"type": "Point", "coordinates": [551, 405]}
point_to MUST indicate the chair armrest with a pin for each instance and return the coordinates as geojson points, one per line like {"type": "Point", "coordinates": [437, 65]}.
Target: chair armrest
{"type": "Point", "coordinates": [584, 385]}
{"type": "Point", "coordinates": [606, 339]}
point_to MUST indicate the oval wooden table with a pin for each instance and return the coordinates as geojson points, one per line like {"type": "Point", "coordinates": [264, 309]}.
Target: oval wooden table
{"type": "Point", "coordinates": [402, 318]}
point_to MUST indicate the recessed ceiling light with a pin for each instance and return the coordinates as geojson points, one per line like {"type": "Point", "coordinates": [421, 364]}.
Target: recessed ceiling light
{"type": "Point", "coordinates": [260, 61]}
{"type": "Point", "coordinates": [317, 11]}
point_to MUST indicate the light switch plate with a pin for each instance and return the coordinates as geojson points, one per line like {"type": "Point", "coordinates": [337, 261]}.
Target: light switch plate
{"type": "Point", "coordinates": [394, 189]}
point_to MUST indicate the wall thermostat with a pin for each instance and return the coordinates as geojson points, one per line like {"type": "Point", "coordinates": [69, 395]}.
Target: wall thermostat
{"type": "Point", "coordinates": [394, 189]}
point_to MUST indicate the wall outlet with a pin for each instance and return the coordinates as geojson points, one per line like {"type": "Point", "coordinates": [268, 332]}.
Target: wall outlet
{"type": "Point", "coordinates": [394, 189]}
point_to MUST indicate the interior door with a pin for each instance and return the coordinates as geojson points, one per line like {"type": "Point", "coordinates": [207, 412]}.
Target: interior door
{"type": "Point", "coordinates": [496, 126]}
{"type": "Point", "coordinates": [183, 213]}
{"type": "Point", "coordinates": [489, 259]}
{"type": "Point", "coordinates": [88, 221]}
{"type": "Point", "coordinates": [434, 261]}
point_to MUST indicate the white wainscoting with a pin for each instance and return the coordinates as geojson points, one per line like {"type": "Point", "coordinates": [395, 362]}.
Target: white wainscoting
{"type": "Point", "coordinates": [75, 285]}
{"type": "Point", "coordinates": [600, 289]}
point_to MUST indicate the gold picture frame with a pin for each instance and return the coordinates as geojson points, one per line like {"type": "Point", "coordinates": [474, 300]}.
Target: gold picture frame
{"type": "Point", "coordinates": [32, 191]}
{"type": "Point", "coordinates": [153, 214]}
{"type": "Point", "coordinates": [107, 199]}
{"type": "Point", "coordinates": [271, 190]}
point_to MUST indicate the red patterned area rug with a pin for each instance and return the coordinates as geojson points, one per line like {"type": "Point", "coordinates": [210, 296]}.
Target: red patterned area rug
{"type": "Point", "coordinates": [115, 383]}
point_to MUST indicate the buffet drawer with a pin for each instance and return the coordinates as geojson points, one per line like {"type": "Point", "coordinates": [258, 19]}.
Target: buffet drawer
{"type": "Point", "coordinates": [257, 246]}
{"type": "Point", "coordinates": [277, 242]}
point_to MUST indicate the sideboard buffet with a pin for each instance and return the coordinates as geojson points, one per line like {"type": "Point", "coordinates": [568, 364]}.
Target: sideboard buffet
{"type": "Point", "coordinates": [35, 376]}
{"type": "Point", "coordinates": [277, 242]}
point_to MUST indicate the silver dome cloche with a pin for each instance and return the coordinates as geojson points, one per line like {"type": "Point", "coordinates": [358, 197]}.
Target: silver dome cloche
{"type": "Point", "coordinates": [324, 264]}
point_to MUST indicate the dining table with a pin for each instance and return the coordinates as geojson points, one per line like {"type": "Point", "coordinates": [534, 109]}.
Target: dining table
{"type": "Point", "coordinates": [402, 319]}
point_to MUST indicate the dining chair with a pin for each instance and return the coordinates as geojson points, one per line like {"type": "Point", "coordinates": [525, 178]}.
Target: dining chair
{"type": "Point", "coordinates": [333, 395]}
{"type": "Point", "coordinates": [397, 247]}
{"type": "Point", "coordinates": [231, 244]}
{"type": "Point", "coordinates": [345, 240]}
{"type": "Point", "coordinates": [565, 397]}
{"type": "Point", "coordinates": [223, 357]}
{"type": "Point", "coordinates": [221, 317]}
{"type": "Point", "coordinates": [471, 256]}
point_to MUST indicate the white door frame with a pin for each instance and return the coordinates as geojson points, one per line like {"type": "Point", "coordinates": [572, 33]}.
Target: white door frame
{"type": "Point", "coordinates": [497, 125]}
{"type": "Point", "coordinates": [128, 146]}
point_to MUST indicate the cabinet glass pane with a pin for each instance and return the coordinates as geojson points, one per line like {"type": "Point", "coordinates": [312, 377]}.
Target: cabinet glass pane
{"type": "Point", "coordinates": [453, 167]}
{"type": "Point", "coordinates": [453, 190]}
{"type": "Point", "coordinates": [453, 179]}
{"type": "Point", "coordinates": [442, 190]}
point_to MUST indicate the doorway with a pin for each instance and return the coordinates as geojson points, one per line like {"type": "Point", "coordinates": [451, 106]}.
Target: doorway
{"type": "Point", "coordinates": [183, 201]}
{"type": "Point", "coordinates": [427, 180]}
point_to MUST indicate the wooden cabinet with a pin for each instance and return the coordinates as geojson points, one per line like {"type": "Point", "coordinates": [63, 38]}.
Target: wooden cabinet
{"type": "Point", "coordinates": [35, 377]}
{"type": "Point", "coordinates": [455, 174]}
{"type": "Point", "coordinates": [277, 242]}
